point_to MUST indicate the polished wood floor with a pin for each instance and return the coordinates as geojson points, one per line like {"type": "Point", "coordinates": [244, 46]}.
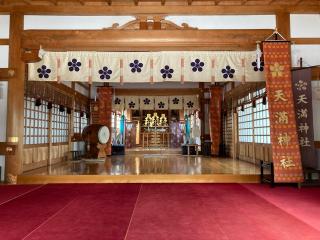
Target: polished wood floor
{"type": "Point", "coordinates": [146, 166]}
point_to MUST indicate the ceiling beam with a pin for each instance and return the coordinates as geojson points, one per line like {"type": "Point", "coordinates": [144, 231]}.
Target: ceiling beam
{"type": "Point", "coordinates": [142, 40]}
{"type": "Point", "coordinates": [91, 10]}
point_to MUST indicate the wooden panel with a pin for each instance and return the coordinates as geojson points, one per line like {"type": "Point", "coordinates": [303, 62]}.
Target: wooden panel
{"type": "Point", "coordinates": [172, 178]}
{"type": "Point", "coordinates": [143, 40]}
{"type": "Point", "coordinates": [112, 10]}
{"type": "Point", "coordinates": [316, 73]}
{"type": "Point", "coordinates": [4, 41]}
{"type": "Point", "coordinates": [317, 144]}
{"type": "Point", "coordinates": [306, 40]}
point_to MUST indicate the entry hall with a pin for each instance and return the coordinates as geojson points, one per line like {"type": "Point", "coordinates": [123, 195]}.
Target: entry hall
{"type": "Point", "coordinates": [159, 119]}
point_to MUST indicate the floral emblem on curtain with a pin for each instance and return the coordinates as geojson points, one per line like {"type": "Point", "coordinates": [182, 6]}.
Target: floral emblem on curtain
{"type": "Point", "coordinates": [161, 104]}
{"type": "Point", "coordinates": [105, 73]}
{"type": "Point", "coordinates": [255, 66]}
{"type": "Point", "coordinates": [301, 85]}
{"type": "Point", "coordinates": [276, 70]}
{"type": "Point", "coordinates": [175, 100]}
{"type": "Point", "coordinates": [146, 101]}
{"type": "Point", "coordinates": [166, 72]}
{"type": "Point", "coordinates": [131, 104]}
{"type": "Point", "coordinates": [197, 65]}
{"type": "Point", "coordinates": [117, 101]}
{"type": "Point", "coordinates": [44, 72]}
{"type": "Point", "coordinates": [190, 104]}
{"type": "Point", "coordinates": [74, 65]}
{"type": "Point", "coordinates": [136, 66]}
{"type": "Point", "coordinates": [228, 72]}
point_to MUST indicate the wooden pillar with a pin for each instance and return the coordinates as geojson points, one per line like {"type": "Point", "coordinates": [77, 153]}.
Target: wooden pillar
{"type": "Point", "coordinates": [15, 116]}
{"type": "Point", "coordinates": [283, 24]}
{"type": "Point", "coordinates": [105, 111]}
{"type": "Point", "coordinates": [215, 118]}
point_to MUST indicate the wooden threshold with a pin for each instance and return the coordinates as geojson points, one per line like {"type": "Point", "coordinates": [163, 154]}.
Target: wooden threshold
{"type": "Point", "coordinates": [172, 178]}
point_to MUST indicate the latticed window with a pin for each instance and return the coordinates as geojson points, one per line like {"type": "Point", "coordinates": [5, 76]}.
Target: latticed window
{"type": "Point", "coordinates": [253, 122]}
{"type": "Point", "coordinates": [261, 122]}
{"type": "Point", "coordinates": [76, 122]}
{"type": "Point", "coordinates": [245, 123]}
{"type": "Point", "coordinates": [36, 127]}
{"type": "Point", "coordinates": [60, 125]}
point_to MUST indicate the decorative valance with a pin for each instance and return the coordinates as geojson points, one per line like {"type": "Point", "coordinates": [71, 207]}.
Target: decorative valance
{"type": "Point", "coordinates": [200, 66]}
{"type": "Point", "coordinates": [191, 102]}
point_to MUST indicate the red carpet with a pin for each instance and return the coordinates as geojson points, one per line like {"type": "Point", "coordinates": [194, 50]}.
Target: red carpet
{"type": "Point", "coordinates": [8, 192]}
{"type": "Point", "coordinates": [159, 212]}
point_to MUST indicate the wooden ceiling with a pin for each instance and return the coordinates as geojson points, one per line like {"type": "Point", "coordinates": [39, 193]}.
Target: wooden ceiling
{"type": "Point", "coordinates": [291, 3]}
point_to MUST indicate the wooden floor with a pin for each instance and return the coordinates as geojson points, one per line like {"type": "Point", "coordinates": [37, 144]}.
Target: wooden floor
{"type": "Point", "coordinates": [148, 166]}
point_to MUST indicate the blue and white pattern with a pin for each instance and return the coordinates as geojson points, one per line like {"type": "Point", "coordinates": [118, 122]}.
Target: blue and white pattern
{"type": "Point", "coordinates": [44, 72]}
{"type": "Point", "coordinates": [105, 73]}
{"type": "Point", "coordinates": [228, 72]}
{"type": "Point", "coordinates": [74, 65]}
{"type": "Point", "coordinates": [145, 67]}
{"type": "Point", "coordinates": [166, 72]}
{"type": "Point", "coordinates": [197, 65]}
{"type": "Point", "coordinates": [136, 66]}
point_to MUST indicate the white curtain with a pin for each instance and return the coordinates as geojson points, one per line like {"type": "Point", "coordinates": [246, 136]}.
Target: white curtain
{"type": "Point", "coordinates": [161, 103]}
{"type": "Point", "coordinates": [147, 67]}
{"type": "Point", "coordinates": [147, 103]}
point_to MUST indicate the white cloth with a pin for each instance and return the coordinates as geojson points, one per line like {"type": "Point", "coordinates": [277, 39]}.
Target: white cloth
{"type": "Point", "coordinates": [196, 66]}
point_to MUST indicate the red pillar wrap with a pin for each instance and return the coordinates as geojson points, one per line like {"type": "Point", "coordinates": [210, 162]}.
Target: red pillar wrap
{"type": "Point", "coordinates": [215, 118]}
{"type": "Point", "coordinates": [105, 110]}
{"type": "Point", "coordinates": [284, 138]}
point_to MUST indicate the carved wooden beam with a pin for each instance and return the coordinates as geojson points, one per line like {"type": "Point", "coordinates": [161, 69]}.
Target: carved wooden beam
{"type": "Point", "coordinates": [142, 40]}
{"type": "Point", "coordinates": [30, 56]}
{"type": "Point", "coordinates": [6, 73]}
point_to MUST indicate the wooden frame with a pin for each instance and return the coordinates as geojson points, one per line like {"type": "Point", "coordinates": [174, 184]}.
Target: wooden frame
{"type": "Point", "coordinates": [90, 10]}
{"type": "Point", "coordinates": [142, 40]}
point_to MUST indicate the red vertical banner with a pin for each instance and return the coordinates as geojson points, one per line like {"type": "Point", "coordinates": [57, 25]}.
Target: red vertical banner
{"type": "Point", "coordinates": [105, 111]}
{"type": "Point", "coordinates": [284, 138]}
{"type": "Point", "coordinates": [215, 118]}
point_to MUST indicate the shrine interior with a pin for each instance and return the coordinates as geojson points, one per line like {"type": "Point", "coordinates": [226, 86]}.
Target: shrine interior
{"type": "Point", "coordinates": [160, 119]}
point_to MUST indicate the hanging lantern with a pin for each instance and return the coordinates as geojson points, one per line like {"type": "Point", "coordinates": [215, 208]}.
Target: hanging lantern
{"type": "Point", "coordinates": [61, 108]}
{"type": "Point", "coordinates": [254, 103]}
{"type": "Point", "coordinates": [49, 106]}
{"type": "Point", "coordinates": [264, 100]}
{"type": "Point", "coordinates": [38, 102]}
{"type": "Point", "coordinates": [242, 108]}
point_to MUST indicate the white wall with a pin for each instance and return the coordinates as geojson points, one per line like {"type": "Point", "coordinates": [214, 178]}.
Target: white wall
{"type": "Point", "coordinates": [310, 55]}
{"type": "Point", "coordinates": [3, 120]}
{"type": "Point", "coordinates": [4, 56]}
{"type": "Point", "coordinates": [4, 26]}
{"type": "Point", "coordinates": [305, 25]}
{"type": "Point", "coordinates": [73, 22]}
{"type": "Point", "coordinates": [227, 21]}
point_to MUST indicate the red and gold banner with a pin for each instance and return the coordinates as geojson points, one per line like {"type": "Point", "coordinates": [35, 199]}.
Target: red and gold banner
{"type": "Point", "coordinates": [284, 138]}
{"type": "Point", "coordinates": [215, 118]}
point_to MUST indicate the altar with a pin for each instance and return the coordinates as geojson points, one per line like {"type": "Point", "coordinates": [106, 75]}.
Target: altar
{"type": "Point", "coordinates": [156, 137]}
{"type": "Point", "coordinates": [155, 131]}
